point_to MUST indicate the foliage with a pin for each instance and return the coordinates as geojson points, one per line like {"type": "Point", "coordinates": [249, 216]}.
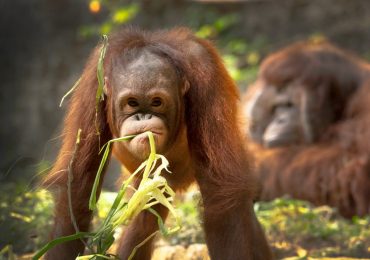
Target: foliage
{"type": "Point", "coordinates": [118, 14]}
{"type": "Point", "coordinates": [241, 56]}
{"type": "Point", "coordinates": [25, 216]}
{"type": "Point", "coordinates": [296, 228]}
{"type": "Point", "coordinates": [152, 190]}
{"type": "Point", "coordinates": [189, 210]}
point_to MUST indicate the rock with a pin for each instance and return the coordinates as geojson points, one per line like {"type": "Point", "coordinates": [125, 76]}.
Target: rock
{"type": "Point", "coordinates": [197, 252]}
{"type": "Point", "coordinates": [169, 253]}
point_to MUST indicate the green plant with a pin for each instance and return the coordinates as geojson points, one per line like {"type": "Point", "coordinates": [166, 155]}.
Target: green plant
{"type": "Point", "coordinates": [25, 216]}
{"type": "Point", "coordinates": [152, 190]}
{"type": "Point", "coordinates": [118, 14]}
{"type": "Point", "coordinates": [299, 229]}
{"type": "Point", "coordinates": [189, 211]}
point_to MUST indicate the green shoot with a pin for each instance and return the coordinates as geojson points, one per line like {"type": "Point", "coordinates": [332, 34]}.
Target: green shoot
{"type": "Point", "coordinates": [92, 201]}
{"type": "Point", "coordinates": [70, 91]}
{"type": "Point", "coordinates": [57, 241]}
{"type": "Point", "coordinates": [100, 70]}
{"type": "Point", "coordinates": [100, 76]}
{"type": "Point", "coordinates": [152, 190]}
{"type": "Point", "coordinates": [70, 179]}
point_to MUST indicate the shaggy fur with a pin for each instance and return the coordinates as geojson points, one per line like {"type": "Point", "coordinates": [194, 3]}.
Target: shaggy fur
{"type": "Point", "coordinates": [207, 148]}
{"type": "Point", "coordinates": [335, 168]}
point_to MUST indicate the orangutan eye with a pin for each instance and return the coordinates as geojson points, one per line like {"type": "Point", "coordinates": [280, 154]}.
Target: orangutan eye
{"type": "Point", "coordinates": [132, 102]}
{"type": "Point", "coordinates": [156, 102]}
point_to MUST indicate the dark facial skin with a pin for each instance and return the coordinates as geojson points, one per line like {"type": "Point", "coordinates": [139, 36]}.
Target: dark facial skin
{"type": "Point", "coordinates": [147, 99]}
{"type": "Point", "coordinates": [275, 116]}
{"type": "Point", "coordinates": [284, 128]}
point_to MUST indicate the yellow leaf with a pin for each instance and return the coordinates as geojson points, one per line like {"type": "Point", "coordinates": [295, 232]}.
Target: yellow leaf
{"type": "Point", "coordinates": [301, 252]}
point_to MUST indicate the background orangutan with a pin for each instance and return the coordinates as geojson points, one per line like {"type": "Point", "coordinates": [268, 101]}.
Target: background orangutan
{"type": "Point", "coordinates": [175, 85]}
{"type": "Point", "coordinates": [311, 103]}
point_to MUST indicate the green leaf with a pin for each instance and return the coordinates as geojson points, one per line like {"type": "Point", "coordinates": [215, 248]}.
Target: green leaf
{"type": "Point", "coordinates": [125, 14]}
{"type": "Point", "coordinates": [60, 240]}
{"type": "Point", "coordinates": [100, 71]}
{"type": "Point", "coordinates": [70, 91]}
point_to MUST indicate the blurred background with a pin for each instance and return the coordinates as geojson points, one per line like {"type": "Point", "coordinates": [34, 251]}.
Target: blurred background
{"type": "Point", "coordinates": [45, 43]}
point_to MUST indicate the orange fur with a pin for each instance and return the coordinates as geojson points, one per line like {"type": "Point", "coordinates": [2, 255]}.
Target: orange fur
{"type": "Point", "coordinates": [208, 148]}
{"type": "Point", "coordinates": [335, 168]}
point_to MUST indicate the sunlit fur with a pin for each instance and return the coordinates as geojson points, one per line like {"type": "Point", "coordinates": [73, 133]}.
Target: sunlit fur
{"type": "Point", "coordinates": [207, 147]}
